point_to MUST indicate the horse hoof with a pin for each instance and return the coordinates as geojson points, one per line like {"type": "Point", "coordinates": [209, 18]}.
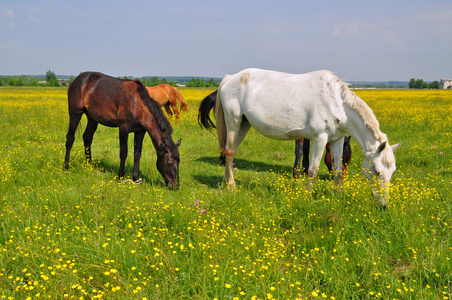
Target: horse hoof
{"type": "Point", "coordinates": [138, 181]}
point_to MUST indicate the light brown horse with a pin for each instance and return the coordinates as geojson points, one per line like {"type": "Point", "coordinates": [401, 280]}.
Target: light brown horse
{"type": "Point", "coordinates": [167, 96]}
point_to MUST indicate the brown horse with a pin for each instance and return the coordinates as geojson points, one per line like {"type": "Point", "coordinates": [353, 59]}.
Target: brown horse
{"type": "Point", "coordinates": [167, 96]}
{"type": "Point", "coordinates": [301, 145]}
{"type": "Point", "coordinates": [125, 104]}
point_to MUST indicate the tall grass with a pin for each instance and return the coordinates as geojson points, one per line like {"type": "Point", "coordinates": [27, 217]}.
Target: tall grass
{"type": "Point", "coordinates": [81, 234]}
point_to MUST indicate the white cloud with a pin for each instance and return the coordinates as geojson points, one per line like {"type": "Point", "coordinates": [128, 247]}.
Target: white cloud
{"type": "Point", "coordinates": [10, 13]}
{"type": "Point", "coordinates": [11, 17]}
{"type": "Point", "coordinates": [11, 45]}
{"type": "Point", "coordinates": [438, 16]}
{"type": "Point", "coordinates": [34, 18]}
{"type": "Point", "coordinates": [353, 28]}
{"type": "Point", "coordinates": [366, 31]}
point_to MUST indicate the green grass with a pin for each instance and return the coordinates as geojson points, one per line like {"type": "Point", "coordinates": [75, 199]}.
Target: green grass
{"type": "Point", "coordinates": [81, 234]}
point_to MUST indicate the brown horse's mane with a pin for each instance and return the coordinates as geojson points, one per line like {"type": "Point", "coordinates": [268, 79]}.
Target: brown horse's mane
{"type": "Point", "coordinates": [162, 121]}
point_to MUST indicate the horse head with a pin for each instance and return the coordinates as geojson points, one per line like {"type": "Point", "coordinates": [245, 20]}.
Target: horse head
{"type": "Point", "coordinates": [168, 163]}
{"type": "Point", "coordinates": [378, 167]}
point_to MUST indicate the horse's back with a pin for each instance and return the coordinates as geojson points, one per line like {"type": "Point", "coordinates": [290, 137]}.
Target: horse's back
{"type": "Point", "coordinates": [159, 94]}
{"type": "Point", "coordinates": [87, 81]}
{"type": "Point", "coordinates": [285, 106]}
{"type": "Point", "coordinates": [78, 89]}
{"type": "Point", "coordinates": [108, 100]}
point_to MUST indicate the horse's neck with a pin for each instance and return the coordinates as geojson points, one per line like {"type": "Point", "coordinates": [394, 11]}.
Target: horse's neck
{"type": "Point", "coordinates": [365, 137]}
{"type": "Point", "coordinates": [154, 131]}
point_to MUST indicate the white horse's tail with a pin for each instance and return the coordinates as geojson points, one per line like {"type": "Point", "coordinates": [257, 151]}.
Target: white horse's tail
{"type": "Point", "coordinates": [220, 121]}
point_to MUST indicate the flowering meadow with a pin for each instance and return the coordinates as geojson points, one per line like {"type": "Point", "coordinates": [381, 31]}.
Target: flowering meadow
{"type": "Point", "coordinates": [82, 234]}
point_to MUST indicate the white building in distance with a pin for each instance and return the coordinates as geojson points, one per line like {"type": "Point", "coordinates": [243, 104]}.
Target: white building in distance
{"type": "Point", "coordinates": [445, 84]}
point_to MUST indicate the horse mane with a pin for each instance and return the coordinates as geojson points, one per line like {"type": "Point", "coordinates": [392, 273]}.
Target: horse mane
{"type": "Point", "coordinates": [162, 121]}
{"type": "Point", "coordinates": [363, 110]}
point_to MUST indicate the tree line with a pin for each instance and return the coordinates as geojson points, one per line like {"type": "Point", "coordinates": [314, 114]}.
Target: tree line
{"type": "Point", "coordinates": [193, 82]}
{"type": "Point", "coordinates": [51, 79]}
{"type": "Point", "coordinates": [421, 84]}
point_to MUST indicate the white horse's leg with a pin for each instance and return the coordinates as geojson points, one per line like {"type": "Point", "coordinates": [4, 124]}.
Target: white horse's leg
{"type": "Point", "coordinates": [229, 151]}
{"type": "Point", "coordinates": [318, 146]}
{"type": "Point", "coordinates": [234, 138]}
{"type": "Point", "coordinates": [228, 174]}
{"type": "Point", "coordinates": [336, 149]}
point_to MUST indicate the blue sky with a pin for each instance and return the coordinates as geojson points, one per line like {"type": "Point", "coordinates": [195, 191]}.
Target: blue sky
{"type": "Point", "coordinates": [357, 39]}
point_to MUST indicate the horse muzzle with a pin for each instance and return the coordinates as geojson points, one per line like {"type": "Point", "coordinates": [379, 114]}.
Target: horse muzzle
{"type": "Point", "coordinates": [173, 184]}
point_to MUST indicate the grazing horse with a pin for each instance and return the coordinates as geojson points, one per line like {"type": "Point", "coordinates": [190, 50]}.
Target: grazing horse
{"type": "Point", "coordinates": [317, 106]}
{"type": "Point", "coordinates": [301, 145]}
{"type": "Point", "coordinates": [167, 96]}
{"type": "Point", "coordinates": [125, 104]}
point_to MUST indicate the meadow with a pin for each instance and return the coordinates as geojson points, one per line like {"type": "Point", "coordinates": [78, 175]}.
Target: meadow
{"type": "Point", "coordinates": [82, 234]}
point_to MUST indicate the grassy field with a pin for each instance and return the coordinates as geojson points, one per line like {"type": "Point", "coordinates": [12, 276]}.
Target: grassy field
{"type": "Point", "coordinates": [81, 234]}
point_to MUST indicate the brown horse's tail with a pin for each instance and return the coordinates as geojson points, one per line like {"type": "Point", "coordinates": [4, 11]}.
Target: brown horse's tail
{"type": "Point", "coordinates": [220, 121]}
{"type": "Point", "coordinates": [183, 104]}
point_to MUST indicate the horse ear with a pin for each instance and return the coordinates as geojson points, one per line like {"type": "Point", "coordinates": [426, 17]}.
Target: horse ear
{"type": "Point", "coordinates": [394, 147]}
{"type": "Point", "coordinates": [381, 147]}
{"type": "Point", "coordinates": [178, 142]}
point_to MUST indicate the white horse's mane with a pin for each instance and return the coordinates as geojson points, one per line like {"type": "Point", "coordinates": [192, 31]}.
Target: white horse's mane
{"type": "Point", "coordinates": [366, 113]}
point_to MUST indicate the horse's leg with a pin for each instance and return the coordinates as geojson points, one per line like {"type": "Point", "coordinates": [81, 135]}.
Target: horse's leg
{"type": "Point", "coordinates": [316, 155]}
{"type": "Point", "coordinates": [298, 155]}
{"type": "Point", "coordinates": [336, 149]}
{"type": "Point", "coordinates": [168, 111]}
{"type": "Point", "coordinates": [327, 159]}
{"type": "Point", "coordinates": [234, 138]}
{"type": "Point", "coordinates": [138, 142]}
{"type": "Point", "coordinates": [91, 128]}
{"type": "Point", "coordinates": [306, 148]}
{"type": "Point", "coordinates": [74, 119]}
{"type": "Point", "coordinates": [346, 155]}
{"type": "Point", "coordinates": [176, 111]}
{"type": "Point", "coordinates": [123, 139]}
{"type": "Point", "coordinates": [223, 161]}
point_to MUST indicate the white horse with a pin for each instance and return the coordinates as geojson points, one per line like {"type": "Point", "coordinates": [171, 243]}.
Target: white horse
{"type": "Point", "coordinates": [317, 106]}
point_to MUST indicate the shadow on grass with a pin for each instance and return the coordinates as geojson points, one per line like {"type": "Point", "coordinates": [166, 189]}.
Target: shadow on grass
{"type": "Point", "coordinates": [209, 181]}
{"type": "Point", "coordinates": [107, 167]}
{"type": "Point", "coordinates": [247, 165]}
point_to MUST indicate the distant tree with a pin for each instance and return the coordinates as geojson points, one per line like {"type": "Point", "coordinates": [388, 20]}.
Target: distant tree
{"type": "Point", "coordinates": [15, 82]}
{"type": "Point", "coordinates": [154, 81]}
{"type": "Point", "coordinates": [434, 85]}
{"type": "Point", "coordinates": [53, 82]}
{"type": "Point", "coordinates": [194, 82]}
{"type": "Point", "coordinates": [50, 75]}
{"type": "Point", "coordinates": [421, 84]}
{"type": "Point", "coordinates": [211, 83]}
{"type": "Point", "coordinates": [51, 78]}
